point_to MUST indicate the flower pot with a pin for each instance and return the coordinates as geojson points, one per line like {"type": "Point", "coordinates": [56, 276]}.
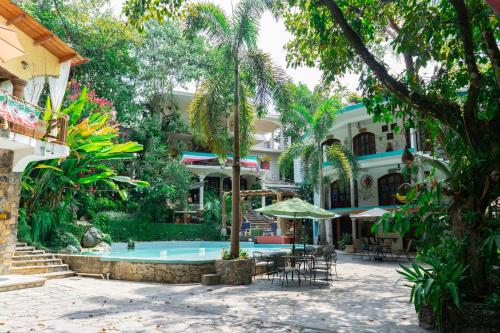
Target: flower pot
{"type": "Point", "coordinates": [235, 272]}
{"type": "Point", "coordinates": [349, 248]}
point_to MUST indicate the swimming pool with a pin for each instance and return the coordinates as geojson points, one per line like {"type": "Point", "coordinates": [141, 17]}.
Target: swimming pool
{"type": "Point", "coordinates": [180, 251]}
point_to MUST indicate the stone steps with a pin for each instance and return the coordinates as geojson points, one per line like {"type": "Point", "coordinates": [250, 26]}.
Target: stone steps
{"type": "Point", "coordinates": [26, 270]}
{"type": "Point", "coordinates": [27, 260]}
{"type": "Point", "coordinates": [26, 253]}
{"type": "Point", "coordinates": [37, 262]}
{"type": "Point", "coordinates": [16, 282]}
{"type": "Point", "coordinates": [41, 256]}
{"type": "Point", "coordinates": [56, 275]}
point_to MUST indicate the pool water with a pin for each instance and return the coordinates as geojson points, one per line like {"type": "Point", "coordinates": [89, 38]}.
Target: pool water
{"type": "Point", "coordinates": [182, 252]}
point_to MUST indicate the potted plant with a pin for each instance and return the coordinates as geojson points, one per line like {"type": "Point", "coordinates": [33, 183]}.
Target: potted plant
{"type": "Point", "coordinates": [235, 271]}
{"type": "Point", "coordinates": [345, 243]}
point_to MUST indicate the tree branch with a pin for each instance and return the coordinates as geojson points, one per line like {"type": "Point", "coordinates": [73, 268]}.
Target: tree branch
{"type": "Point", "coordinates": [491, 49]}
{"type": "Point", "coordinates": [464, 26]}
{"type": "Point", "coordinates": [445, 111]}
{"type": "Point", "coordinates": [410, 65]}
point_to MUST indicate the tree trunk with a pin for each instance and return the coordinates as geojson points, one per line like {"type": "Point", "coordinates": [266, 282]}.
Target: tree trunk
{"type": "Point", "coordinates": [322, 223]}
{"type": "Point", "coordinates": [236, 210]}
{"type": "Point", "coordinates": [470, 232]}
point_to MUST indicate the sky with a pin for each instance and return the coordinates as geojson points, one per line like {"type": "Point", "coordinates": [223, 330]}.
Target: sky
{"type": "Point", "coordinates": [273, 38]}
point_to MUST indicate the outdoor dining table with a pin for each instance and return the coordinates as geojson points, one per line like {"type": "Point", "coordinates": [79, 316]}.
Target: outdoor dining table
{"type": "Point", "coordinates": [301, 263]}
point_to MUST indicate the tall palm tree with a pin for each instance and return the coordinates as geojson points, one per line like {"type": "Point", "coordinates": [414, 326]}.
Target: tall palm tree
{"type": "Point", "coordinates": [243, 72]}
{"type": "Point", "coordinates": [310, 150]}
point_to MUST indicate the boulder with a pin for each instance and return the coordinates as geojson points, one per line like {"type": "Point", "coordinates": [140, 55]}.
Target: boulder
{"type": "Point", "coordinates": [102, 247]}
{"type": "Point", "coordinates": [70, 249]}
{"type": "Point", "coordinates": [92, 237]}
{"type": "Point", "coordinates": [210, 279]}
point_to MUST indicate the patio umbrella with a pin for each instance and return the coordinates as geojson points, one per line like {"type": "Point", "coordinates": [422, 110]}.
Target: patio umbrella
{"type": "Point", "coordinates": [296, 208]}
{"type": "Point", "coordinates": [10, 46]}
{"type": "Point", "coordinates": [374, 212]}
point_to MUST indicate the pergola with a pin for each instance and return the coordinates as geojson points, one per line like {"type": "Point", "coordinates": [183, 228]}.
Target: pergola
{"type": "Point", "coordinates": [280, 195]}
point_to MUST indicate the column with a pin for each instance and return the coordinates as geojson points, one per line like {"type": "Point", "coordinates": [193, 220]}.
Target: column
{"type": "Point", "coordinates": [353, 195]}
{"type": "Point", "coordinates": [349, 136]}
{"type": "Point", "coordinates": [202, 190]}
{"type": "Point", "coordinates": [413, 141]}
{"type": "Point", "coordinates": [9, 203]}
{"type": "Point", "coordinates": [282, 139]}
{"type": "Point", "coordinates": [353, 229]}
{"type": "Point", "coordinates": [271, 145]}
{"type": "Point", "coordinates": [223, 230]}
{"type": "Point", "coordinates": [221, 185]}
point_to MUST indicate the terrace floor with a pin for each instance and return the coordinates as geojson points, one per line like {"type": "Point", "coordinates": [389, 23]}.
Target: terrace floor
{"type": "Point", "coordinates": [368, 297]}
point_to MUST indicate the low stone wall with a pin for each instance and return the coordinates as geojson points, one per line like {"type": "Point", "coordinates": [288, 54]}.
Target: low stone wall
{"type": "Point", "coordinates": [139, 271]}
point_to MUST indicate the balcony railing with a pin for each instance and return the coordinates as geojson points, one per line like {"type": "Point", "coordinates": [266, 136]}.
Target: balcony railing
{"type": "Point", "coordinates": [22, 117]}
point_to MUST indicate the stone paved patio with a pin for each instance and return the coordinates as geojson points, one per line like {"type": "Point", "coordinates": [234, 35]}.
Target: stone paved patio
{"type": "Point", "coordinates": [368, 297]}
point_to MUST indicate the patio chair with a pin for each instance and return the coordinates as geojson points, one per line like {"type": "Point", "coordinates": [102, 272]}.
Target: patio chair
{"type": "Point", "coordinates": [405, 252]}
{"type": "Point", "coordinates": [324, 267]}
{"type": "Point", "coordinates": [263, 260]}
{"type": "Point", "coordinates": [356, 244]}
{"type": "Point", "coordinates": [282, 268]}
{"type": "Point", "coordinates": [387, 248]}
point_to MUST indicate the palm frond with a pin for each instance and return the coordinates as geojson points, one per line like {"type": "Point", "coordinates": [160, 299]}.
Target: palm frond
{"type": "Point", "coordinates": [342, 161]}
{"type": "Point", "coordinates": [285, 161]}
{"type": "Point", "coordinates": [210, 19]}
{"type": "Point", "coordinates": [324, 118]}
{"type": "Point", "coordinates": [207, 116]}
{"type": "Point", "coordinates": [270, 81]}
{"type": "Point", "coordinates": [310, 164]}
{"type": "Point", "coordinates": [246, 22]}
{"type": "Point", "coordinates": [246, 122]}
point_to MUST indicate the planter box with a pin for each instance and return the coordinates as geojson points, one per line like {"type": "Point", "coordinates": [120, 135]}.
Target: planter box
{"type": "Point", "coordinates": [235, 272]}
{"type": "Point", "coordinates": [349, 248]}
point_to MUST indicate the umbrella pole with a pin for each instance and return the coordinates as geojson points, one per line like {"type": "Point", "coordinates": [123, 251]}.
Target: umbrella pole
{"type": "Point", "coordinates": [293, 245]}
{"type": "Point", "coordinates": [304, 234]}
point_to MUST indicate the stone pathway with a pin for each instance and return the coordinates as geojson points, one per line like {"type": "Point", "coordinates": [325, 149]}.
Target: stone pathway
{"type": "Point", "coordinates": [368, 297]}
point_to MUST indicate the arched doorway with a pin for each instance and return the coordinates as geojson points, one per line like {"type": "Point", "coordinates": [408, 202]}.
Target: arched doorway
{"type": "Point", "coordinates": [388, 186]}
{"type": "Point", "coordinates": [364, 144]}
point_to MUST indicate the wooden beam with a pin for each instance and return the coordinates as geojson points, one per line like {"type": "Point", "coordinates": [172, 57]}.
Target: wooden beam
{"type": "Point", "coordinates": [68, 57]}
{"type": "Point", "coordinates": [42, 40]}
{"type": "Point", "coordinates": [15, 19]}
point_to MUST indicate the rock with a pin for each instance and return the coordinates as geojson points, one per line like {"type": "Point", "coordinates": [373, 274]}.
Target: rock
{"type": "Point", "coordinates": [70, 249]}
{"type": "Point", "coordinates": [92, 237]}
{"type": "Point", "coordinates": [102, 247]}
{"type": "Point", "coordinates": [210, 279]}
{"type": "Point", "coordinates": [235, 272]}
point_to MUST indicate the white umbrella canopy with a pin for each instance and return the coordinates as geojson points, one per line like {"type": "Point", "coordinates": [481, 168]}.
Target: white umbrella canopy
{"type": "Point", "coordinates": [374, 212]}
{"type": "Point", "coordinates": [10, 46]}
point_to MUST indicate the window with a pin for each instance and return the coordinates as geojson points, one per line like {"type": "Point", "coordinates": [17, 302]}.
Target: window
{"type": "Point", "coordinates": [340, 193]}
{"type": "Point", "coordinates": [385, 128]}
{"type": "Point", "coordinates": [364, 144]}
{"type": "Point", "coordinates": [393, 126]}
{"type": "Point", "coordinates": [390, 136]}
{"type": "Point", "coordinates": [388, 186]}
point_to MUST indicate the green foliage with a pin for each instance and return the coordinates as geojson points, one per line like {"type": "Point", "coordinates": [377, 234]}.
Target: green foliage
{"type": "Point", "coordinates": [23, 229]}
{"type": "Point", "coordinates": [124, 226]}
{"type": "Point", "coordinates": [226, 255]}
{"type": "Point", "coordinates": [346, 239]}
{"type": "Point", "coordinates": [92, 29]}
{"type": "Point", "coordinates": [60, 239]}
{"type": "Point", "coordinates": [140, 11]}
{"type": "Point", "coordinates": [256, 232]}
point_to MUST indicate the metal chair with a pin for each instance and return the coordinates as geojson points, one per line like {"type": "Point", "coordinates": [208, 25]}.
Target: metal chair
{"type": "Point", "coordinates": [263, 260]}
{"type": "Point", "coordinates": [324, 267]}
{"type": "Point", "coordinates": [405, 252]}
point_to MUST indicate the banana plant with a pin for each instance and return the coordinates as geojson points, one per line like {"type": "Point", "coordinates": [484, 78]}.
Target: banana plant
{"type": "Point", "coordinates": [94, 141]}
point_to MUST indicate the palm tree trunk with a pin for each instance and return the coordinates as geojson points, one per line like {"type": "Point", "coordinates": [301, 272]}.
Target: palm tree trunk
{"type": "Point", "coordinates": [236, 210]}
{"type": "Point", "coordinates": [322, 223]}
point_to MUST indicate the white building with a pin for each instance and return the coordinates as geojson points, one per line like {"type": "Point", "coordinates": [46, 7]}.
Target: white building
{"type": "Point", "coordinates": [378, 148]}
{"type": "Point", "coordinates": [258, 170]}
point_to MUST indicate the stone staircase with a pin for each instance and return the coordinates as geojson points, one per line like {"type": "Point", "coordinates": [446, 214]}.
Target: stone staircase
{"type": "Point", "coordinates": [258, 221]}
{"type": "Point", "coordinates": [27, 260]}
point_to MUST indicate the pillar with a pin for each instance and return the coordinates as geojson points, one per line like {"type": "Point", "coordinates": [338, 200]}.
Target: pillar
{"type": "Point", "coordinates": [353, 195]}
{"type": "Point", "coordinates": [353, 229]}
{"type": "Point", "coordinates": [223, 214]}
{"type": "Point", "coordinates": [9, 201]}
{"type": "Point", "coordinates": [281, 221]}
{"type": "Point", "coordinates": [282, 139]}
{"type": "Point", "coordinates": [413, 139]}
{"type": "Point", "coordinates": [202, 190]}
{"type": "Point", "coordinates": [221, 185]}
{"type": "Point", "coordinates": [349, 136]}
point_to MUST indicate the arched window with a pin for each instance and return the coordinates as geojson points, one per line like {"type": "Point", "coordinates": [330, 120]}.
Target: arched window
{"type": "Point", "coordinates": [340, 194]}
{"type": "Point", "coordinates": [388, 186]}
{"type": "Point", "coordinates": [364, 144]}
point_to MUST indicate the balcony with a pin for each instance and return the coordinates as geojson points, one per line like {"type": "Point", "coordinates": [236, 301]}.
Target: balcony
{"type": "Point", "coordinates": [18, 116]}
{"type": "Point", "coordinates": [30, 132]}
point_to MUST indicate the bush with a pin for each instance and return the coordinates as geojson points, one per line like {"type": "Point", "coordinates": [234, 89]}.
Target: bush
{"type": "Point", "coordinates": [256, 232]}
{"type": "Point", "coordinates": [60, 239]}
{"type": "Point", "coordinates": [123, 226]}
